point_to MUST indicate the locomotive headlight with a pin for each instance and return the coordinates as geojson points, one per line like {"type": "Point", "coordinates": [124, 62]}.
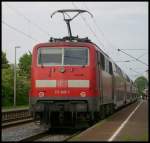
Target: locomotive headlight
{"type": "Point", "coordinates": [41, 94]}
{"type": "Point", "coordinates": [83, 94]}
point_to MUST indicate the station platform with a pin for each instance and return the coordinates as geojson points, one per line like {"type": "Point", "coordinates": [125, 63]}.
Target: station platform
{"type": "Point", "coordinates": [127, 124]}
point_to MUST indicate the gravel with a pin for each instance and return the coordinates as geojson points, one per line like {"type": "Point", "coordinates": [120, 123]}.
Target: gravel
{"type": "Point", "coordinates": [20, 132]}
{"type": "Point", "coordinates": [53, 138]}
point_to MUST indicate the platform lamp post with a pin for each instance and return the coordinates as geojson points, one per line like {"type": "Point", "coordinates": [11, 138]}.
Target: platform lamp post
{"type": "Point", "coordinates": [15, 77]}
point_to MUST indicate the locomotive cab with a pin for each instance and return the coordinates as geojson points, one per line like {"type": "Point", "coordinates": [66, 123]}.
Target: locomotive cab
{"type": "Point", "coordinates": [62, 80]}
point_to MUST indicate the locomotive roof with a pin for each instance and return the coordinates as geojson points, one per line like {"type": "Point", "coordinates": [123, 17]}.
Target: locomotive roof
{"type": "Point", "coordinates": [66, 41]}
{"type": "Point", "coordinates": [71, 39]}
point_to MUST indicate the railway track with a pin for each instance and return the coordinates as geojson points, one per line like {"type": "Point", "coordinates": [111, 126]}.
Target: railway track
{"type": "Point", "coordinates": [31, 132]}
{"type": "Point", "coordinates": [11, 118]}
{"type": "Point", "coordinates": [52, 136]}
{"type": "Point", "coordinates": [14, 129]}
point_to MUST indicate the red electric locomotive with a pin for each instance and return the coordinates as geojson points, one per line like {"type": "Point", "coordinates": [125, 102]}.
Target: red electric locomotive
{"type": "Point", "coordinates": [73, 80]}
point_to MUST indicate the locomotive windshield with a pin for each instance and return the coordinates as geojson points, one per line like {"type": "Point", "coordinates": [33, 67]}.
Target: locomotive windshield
{"type": "Point", "coordinates": [62, 56]}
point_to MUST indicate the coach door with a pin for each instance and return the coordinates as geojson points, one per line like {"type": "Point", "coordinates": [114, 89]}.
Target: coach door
{"type": "Point", "coordinates": [99, 76]}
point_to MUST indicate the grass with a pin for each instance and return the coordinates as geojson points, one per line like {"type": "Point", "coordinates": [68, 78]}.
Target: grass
{"type": "Point", "coordinates": [12, 107]}
{"type": "Point", "coordinates": [143, 137]}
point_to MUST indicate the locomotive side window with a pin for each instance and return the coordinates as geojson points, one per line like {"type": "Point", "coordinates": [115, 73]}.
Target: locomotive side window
{"type": "Point", "coordinates": [75, 56]}
{"type": "Point", "coordinates": [127, 78]}
{"type": "Point", "coordinates": [102, 61]}
{"type": "Point", "coordinates": [110, 67]}
{"type": "Point", "coordinates": [99, 57]}
{"type": "Point", "coordinates": [99, 60]}
{"type": "Point", "coordinates": [106, 65]}
{"type": "Point", "coordinates": [50, 56]}
{"type": "Point", "coordinates": [118, 70]}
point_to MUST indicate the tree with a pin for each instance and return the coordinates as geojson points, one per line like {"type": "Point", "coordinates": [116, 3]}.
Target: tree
{"type": "Point", "coordinates": [4, 61]}
{"type": "Point", "coordinates": [23, 85]}
{"type": "Point", "coordinates": [141, 83]}
{"type": "Point", "coordinates": [7, 82]}
{"type": "Point", "coordinates": [23, 80]}
{"type": "Point", "coordinates": [7, 86]}
{"type": "Point", "coordinates": [25, 64]}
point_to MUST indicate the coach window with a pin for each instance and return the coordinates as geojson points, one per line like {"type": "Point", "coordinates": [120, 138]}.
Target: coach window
{"type": "Point", "coordinates": [110, 67]}
{"type": "Point", "coordinates": [102, 61]}
{"type": "Point", "coordinates": [97, 57]}
{"type": "Point", "coordinates": [116, 68]}
{"type": "Point", "coordinates": [121, 73]}
{"type": "Point", "coordinates": [106, 65]}
{"type": "Point", "coordinates": [128, 79]}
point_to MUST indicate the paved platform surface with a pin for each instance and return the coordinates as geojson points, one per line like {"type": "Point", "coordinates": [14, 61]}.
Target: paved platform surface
{"type": "Point", "coordinates": [128, 124]}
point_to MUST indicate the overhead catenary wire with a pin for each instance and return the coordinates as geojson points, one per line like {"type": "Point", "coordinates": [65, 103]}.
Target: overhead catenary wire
{"type": "Point", "coordinates": [134, 71]}
{"type": "Point", "coordinates": [98, 28]}
{"type": "Point", "coordinates": [141, 55]}
{"type": "Point", "coordinates": [27, 19]}
{"type": "Point", "coordinates": [19, 31]}
{"type": "Point", "coordinates": [133, 49]}
{"type": "Point", "coordinates": [102, 33]}
{"type": "Point", "coordinates": [132, 57]}
{"type": "Point", "coordinates": [137, 73]}
{"type": "Point", "coordinates": [138, 57]}
{"type": "Point", "coordinates": [134, 75]}
{"type": "Point", "coordinates": [131, 74]}
{"type": "Point", "coordinates": [88, 26]}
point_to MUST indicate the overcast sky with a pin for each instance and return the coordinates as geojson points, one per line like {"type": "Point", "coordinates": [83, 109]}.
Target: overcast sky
{"type": "Point", "coordinates": [115, 25]}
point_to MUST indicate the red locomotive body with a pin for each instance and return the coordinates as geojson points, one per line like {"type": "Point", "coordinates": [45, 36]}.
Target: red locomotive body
{"type": "Point", "coordinates": [64, 73]}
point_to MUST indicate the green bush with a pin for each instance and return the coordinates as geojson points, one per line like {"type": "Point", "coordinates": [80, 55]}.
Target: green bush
{"type": "Point", "coordinates": [22, 81]}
